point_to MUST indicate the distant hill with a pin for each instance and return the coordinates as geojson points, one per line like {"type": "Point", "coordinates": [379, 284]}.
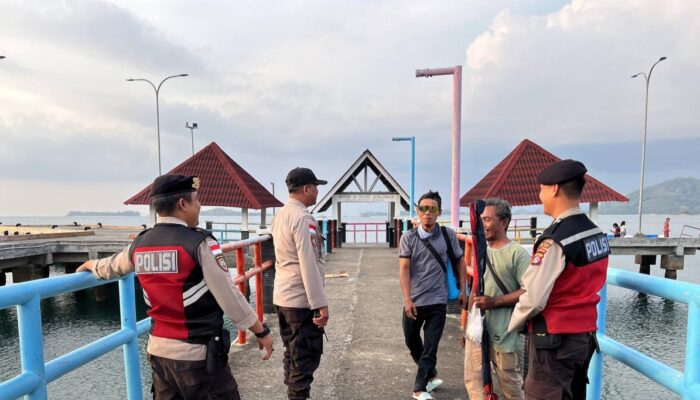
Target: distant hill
{"type": "Point", "coordinates": [677, 196]}
{"type": "Point", "coordinates": [103, 214]}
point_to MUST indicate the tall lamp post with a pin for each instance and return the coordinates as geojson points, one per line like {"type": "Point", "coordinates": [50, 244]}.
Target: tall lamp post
{"type": "Point", "coordinates": [456, 73]}
{"type": "Point", "coordinates": [157, 90]}
{"type": "Point", "coordinates": [644, 142]}
{"type": "Point", "coordinates": [412, 139]}
{"type": "Point", "coordinates": [191, 127]}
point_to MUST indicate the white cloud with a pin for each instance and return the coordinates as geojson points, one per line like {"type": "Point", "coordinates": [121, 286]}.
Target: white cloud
{"type": "Point", "coordinates": [563, 78]}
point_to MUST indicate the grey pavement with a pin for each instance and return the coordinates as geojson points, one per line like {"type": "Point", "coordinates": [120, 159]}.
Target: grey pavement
{"type": "Point", "coordinates": [365, 356]}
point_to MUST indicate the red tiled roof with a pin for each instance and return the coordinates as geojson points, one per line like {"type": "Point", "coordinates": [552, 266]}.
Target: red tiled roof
{"type": "Point", "coordinates": [223, 182]}
{"type": "Point", "coordinates": [515, 179]}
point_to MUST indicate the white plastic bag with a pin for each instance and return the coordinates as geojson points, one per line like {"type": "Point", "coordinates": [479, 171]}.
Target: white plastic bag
{"type": "Point", "coordinates": [475, 325]}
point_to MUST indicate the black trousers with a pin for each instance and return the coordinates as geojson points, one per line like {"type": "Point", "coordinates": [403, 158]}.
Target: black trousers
{"type": "Point", "coordinates": [560, 373]}
{"type": "Point", "coordinates": [424, 351]}
{"type": "Point", "coordinates": [186, 380]}
{"type": "Point", "coordinates": [303, 346]}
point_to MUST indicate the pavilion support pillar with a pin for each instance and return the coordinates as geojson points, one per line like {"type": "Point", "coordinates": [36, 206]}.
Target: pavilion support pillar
{"type": "Point", "coordinates": [244, 224]}
{"type": "Point", "coordinates": [645, 262]}
{"type": "Point", "coordinates": [263, 218]}
{"type": "Point", "coordinates": [593, 212]}
{"type": "Point", "coordinates": [671, 264]}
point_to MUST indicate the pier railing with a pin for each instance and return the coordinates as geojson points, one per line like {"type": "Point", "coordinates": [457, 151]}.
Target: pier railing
{"type": "Point", "coordinates": [686, 383]}
{"type": "Point", "coordinates": [37, 373]}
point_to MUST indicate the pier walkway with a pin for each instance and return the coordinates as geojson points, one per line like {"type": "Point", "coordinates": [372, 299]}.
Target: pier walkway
{"type": "Point", "coordinates": [365, 356]}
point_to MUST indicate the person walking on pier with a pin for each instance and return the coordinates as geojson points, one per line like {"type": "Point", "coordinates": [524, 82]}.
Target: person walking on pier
{"type": "Point", "coordinates": [506, 263]}
{"type": "Point", "coordinates": [423, 257]}
{"type": "Point", "coordinates": [567, 269]}
{"type": "Point", "coordinates": [667, 227]}
{"type": "Point", "coordinates": [187, 288]}
{"type": "Point", "coordinates": [299, 292]}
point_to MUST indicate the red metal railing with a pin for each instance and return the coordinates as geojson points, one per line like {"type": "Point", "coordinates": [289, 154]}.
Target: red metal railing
{"type": "Point", "coordinates": [365, 230]}
{"type": "Point", "coordinates": [258, 267]}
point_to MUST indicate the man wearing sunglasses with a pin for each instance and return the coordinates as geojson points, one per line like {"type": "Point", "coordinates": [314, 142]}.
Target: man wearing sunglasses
{"type": "Point", "coordinates": [424, 257]}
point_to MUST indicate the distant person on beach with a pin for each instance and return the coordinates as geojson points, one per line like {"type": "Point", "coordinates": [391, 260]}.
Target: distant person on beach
{"type": "Point", "coordinates": [299, 292]}
{"type": "Point", "coordinates": [623, 229]}
{"type": "Point", "coordinates": [423, 263]}
{"type": "Point", "coordinates": [615, 230]}
{"type": "Point", "coordinates": [187, 289]}
{"type": "Point", "coordinates": [507, 261]}
{"type": "Point", "coordinates": [567, 270]}
{"type": "Point", "coordinates": [667, 227]}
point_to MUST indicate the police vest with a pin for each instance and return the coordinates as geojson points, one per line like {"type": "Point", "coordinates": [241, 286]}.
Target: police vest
{"type": "Point", "coordinates": [178, 299]}
{"type": "Point", "coordinates": [571, 307]}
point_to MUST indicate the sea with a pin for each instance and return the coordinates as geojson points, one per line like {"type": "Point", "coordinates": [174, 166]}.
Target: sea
{"type": "Point", "coordinates": [652, 325]}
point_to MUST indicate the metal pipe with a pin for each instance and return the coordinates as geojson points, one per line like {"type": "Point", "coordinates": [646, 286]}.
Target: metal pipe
{"type": "Point", "coordinates": [31, 344]}
{"type": "Point", "coordinates": [240, 266]}
{"type": "Point", "coordinates": [456, 73]}
{"type": "Point", "coordinates": [595, 369]}
{"type": "Point", "coordinates": [257, 261]}
{"type": "Point", "coordinates": [132, 361]}
{"type": "Point", "coordinates": [412, 139]}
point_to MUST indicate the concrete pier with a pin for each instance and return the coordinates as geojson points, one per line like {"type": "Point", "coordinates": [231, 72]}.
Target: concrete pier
{"type": "Point", "coordinates": [365, 356]}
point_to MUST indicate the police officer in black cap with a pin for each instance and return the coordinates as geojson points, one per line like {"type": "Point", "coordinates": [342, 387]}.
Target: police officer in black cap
{"type": "Point", "coordinates": [299, 292]}
{"type": "Point", "coordinates": [188, 289]}
{"type": "Point", "coordinates": [567, 269]}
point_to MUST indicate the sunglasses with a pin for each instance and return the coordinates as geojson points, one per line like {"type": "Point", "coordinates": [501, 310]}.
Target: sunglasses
{"type": "Point", "coordinates": [425, 209]}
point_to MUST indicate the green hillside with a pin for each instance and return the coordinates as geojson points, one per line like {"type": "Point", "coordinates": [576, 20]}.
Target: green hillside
{"type": "Point", "coordinates": [677, 196]}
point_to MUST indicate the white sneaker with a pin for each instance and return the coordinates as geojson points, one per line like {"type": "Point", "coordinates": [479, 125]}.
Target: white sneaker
{"type": "Point", "coordinates": [422, 396]}
{"type": "Point", "coordinates": [433, 384]}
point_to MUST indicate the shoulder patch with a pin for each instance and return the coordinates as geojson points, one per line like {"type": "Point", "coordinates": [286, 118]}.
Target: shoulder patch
{"type": "Point", "coordinates": [218, 254]}
{"type": "Point", "coordinates": [539, 254]}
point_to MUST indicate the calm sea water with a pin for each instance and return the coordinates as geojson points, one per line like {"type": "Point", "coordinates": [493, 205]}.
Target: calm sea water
{"type": "Point", "coordinates": [652, 325]}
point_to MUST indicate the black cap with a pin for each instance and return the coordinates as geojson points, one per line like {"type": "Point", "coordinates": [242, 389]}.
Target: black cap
{"type": "Point", "coordinates": [168, 184]}
{"type": "Point", "coordinates": [302, 176]}
{"type": "Point", "coordinates": [561, 171]}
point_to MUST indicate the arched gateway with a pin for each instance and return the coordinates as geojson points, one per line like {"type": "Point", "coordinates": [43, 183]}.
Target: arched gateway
{"type": "Point", "coordinates": [366, 181]}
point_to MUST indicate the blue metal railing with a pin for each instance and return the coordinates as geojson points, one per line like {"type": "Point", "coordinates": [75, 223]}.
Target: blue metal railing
{"type": "Point", "coordinates": [36, 373]}
{"type": "Point", "coordinates": [686, 383]}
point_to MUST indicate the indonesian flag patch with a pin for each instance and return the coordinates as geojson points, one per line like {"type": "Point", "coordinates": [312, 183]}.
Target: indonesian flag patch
{"type": "Point", "coordinates": [539, 254]}
{"type": "Point", "coordinates": [218, 255]}
{"type": "Point", "coordinates": [314, 234]}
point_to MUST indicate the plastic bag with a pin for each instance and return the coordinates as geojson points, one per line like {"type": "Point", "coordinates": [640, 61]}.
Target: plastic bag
{"type": "Point", "coordinates": [475, 325]}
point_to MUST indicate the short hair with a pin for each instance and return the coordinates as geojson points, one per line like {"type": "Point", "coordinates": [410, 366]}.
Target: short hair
{"type": "Point", "coordinates": [295, 189]}
{"type": "Point", "coordinates": [573, 188]}
{"type": "Point", "coordinates": [502, 208]}
{"type": "Point", "coordinates": [432, 196]}
{"type": "Point", "coordinates": [165, 205]}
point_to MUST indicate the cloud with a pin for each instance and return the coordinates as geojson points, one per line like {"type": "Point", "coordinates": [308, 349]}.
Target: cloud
{"type": "Point", "coordinates": [564, 77]}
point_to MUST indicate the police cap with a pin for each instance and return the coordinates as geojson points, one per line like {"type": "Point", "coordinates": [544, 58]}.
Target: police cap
{"type": "Point", "coordinates": [168, 184]}
{"type": "Point", "coordinates": [561, 171]}
{"type": "Point", "coordinates": [300, 176]}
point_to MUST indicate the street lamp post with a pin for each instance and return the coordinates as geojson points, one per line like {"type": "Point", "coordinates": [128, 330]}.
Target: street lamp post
{"type": "Point", "coordinates": [157, 90]}
{"type": "Point", "coordinates": [456, 73]}
{"type": "Point", "coordinates": [644, 141]}
{"type": "Point", "coordinates": [412, 139]}
{"type": "Point", "coordinates": [191, 127]}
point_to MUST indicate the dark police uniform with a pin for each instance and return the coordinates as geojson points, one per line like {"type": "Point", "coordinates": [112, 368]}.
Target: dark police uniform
{"type": "Point", "coordinates": [567, 270]}
{"type": "Point", "coordinates": [187, 288]}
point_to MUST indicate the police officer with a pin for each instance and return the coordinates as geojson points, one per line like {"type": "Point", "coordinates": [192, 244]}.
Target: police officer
{"type": "Point", "coordinates": [187, 288]}
{"type": "Point", "coordinates": [299, 292]}
{"type": "Point", "coordinates": [567, 269]}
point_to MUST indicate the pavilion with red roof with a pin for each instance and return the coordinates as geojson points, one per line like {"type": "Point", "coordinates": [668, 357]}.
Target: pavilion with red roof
{"type": "Point", "coordinates": [515, 179]}
{"type": "Point", "coordinates": [223, 183]}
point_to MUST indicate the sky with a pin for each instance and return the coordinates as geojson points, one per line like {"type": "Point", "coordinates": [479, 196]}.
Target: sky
{"type": "Point", "coordinates": [280, 84]}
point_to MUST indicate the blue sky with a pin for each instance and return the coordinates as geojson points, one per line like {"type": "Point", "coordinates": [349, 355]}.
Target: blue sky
{"type": "Point", "coordinates": [314, 83]}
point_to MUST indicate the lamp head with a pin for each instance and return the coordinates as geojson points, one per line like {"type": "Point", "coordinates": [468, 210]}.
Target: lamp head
{"type": "Point", "coordinates": [635, 75]}
{"type": "Point", "coordinates": [662, 58]}
{"type": "Point", "coordinates": [130, 80]}
{"type": "Point", "coordinates": [1, 57]}
{"type": "Point", "coordinates": [184, 75]}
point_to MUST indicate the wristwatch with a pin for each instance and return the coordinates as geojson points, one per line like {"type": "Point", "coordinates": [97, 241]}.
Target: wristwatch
{"type": "Point", "coordinates": [265, 331]}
